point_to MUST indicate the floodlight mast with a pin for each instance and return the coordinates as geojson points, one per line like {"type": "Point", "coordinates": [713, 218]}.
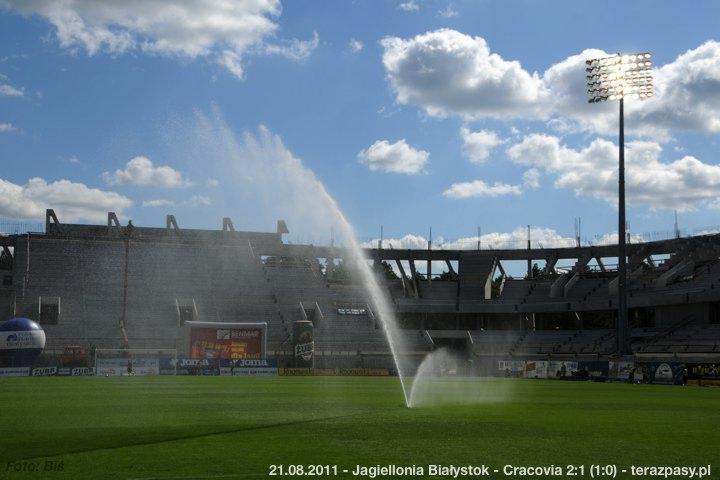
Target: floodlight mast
{"type": "Point", "coordinates": [615, 78]}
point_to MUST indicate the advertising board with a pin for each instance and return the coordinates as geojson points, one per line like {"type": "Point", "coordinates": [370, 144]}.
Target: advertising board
{"type": "Point", "coordinates": [620, 370]}
{"type": "Point", "coordinates": [44, 371]}
{"type": "Point", "coordinates": [226, 343]}
{"type": "Point", "coordinates": [124, 366]}
{"type": "Point", "coordinates": [14, 371]}
{"type": "Point", "coordinates": [361, 372]}
{"type": "Point", "coordinates": [668, 373]}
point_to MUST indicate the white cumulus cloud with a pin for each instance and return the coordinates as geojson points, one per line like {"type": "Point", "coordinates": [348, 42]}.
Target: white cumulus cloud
{"type": "Point", "coordinates": [611, 238]}
{"type": "Point", "coordinates": [448, 12]}
{"type": "Point", "coordinates": [531, 178]}
{"type": "Point", "coordinates": [409, 6]}
{"type": "Point", "coordinates": [541, 237]}
{"type": "Point", "coordinates": [71, 201]}
{"type": "Point", "coordinates": [408, 241]}
{"type": "Point", "coordinates": [8, 90]}
{"type": "Point", "coordinates": [199, 201]}
{"type": "Point", "coordinates": [293, 49]}
{"type": "Point", "coordinates": [688, 92]}
{"type": "Point", "coordinates": [682, 184]}
{"type": "Point", "coordinates": [140, 171]}
{"type": "Point", "coordinates": [478, 188]}
{"type": "Point", "coordinates": [446, 72]}
{"type": "Point", "coordinates": [194, 201]}
{"type": "Point", "coordinates": [398, 157]}
{"type": "Point", "coordinates": [160, 202]}
{"type": "Point", "coordinates": [7, 127]}
{"type": "Point", "coordinates": [355, 45]}
{"type": "Point", "coordinates": [478, 145]}
{"type": "Point", "coordinates": [225, 31]}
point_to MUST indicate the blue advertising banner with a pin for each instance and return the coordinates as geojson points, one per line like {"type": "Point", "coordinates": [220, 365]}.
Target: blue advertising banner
{"type": "Point", "coordinates": [248, 363]}
{"type": "Point", "coordinates": [197, 366]}
{"type": "Point", "coordinates": [14, 371]}
{"type": "Point", "coordinates": [249, 371]}
{"type": "Point", "coordinates": [248, 367]}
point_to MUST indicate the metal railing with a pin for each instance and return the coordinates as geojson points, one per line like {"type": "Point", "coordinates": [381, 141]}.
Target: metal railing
{"type": "Point", "coordinates": [20, 227]}
{"type": "Point", "coordinates": [493, 241]}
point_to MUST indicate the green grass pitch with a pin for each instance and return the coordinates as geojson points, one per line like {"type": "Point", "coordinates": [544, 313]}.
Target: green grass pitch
{"type": "Point", "coordinates": [230, 427]}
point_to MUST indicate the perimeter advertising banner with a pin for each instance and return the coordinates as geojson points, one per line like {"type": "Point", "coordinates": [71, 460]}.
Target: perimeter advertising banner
{"type": "Point", "coordinates": [704, 370]}
{"type": "Point", "coordinates": [559, 369]}
{"type": "Point", "coordinates": [511, 367]}
{"type": "Point", "coordinates": [123, 366]}
{"type": "Point", "coordinates": [248, 368]}
{"type": "Point", "coordinates": [621, 370]}
{"type": "Point", "coordinates": [249, 371]}
{"type": "Point", "coordinates": [595, 369]}
{"type": "Point", "coordinates": [76, 371]}
{"type": "Point", "coordinates": [226, 343]}
{"type": "Point", "coordinates": [196, 366]}
{"type": "Point", "coordinates": [355, 372]}
{"type": "Point", "coordinates": [664, 372]}
{"type": "Point", "coordinates": [536, 369]}
{"type": "Point", "coordinates": [44, 371]}
{"type": "Point", "coordinates": [14, 371]}
{"type": "Point", "coordinates": [704, 373]}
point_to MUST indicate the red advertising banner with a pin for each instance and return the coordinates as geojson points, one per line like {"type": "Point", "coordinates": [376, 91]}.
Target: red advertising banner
{"type": "Point", "coordinates": [228, 343]}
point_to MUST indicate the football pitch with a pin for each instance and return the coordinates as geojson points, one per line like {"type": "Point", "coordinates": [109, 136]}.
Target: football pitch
{"type": "Point", "coordinates": [231, 427]}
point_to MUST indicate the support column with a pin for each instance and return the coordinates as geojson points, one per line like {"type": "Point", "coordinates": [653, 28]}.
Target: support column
{"type": "Point", "coordinates": [429, 262]}
{"type": "Point", "coordinates": [622, 320]}
{"type": "Point", "coordinates": [529, 262]}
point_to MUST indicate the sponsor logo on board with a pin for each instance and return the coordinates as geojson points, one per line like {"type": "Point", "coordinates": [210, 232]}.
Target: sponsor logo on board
{"type": "Point", "coordinates": [44, 371]}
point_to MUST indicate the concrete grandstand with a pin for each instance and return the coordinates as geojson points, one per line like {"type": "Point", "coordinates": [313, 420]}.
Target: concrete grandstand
{"type": "Point", "coordinates": [92, 285]}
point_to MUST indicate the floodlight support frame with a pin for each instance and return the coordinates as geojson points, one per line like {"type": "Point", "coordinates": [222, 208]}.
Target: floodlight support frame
{"type": "Point", "coordinates": [623, 345]}
{"type": "Point", "coordinates": [602, 90]}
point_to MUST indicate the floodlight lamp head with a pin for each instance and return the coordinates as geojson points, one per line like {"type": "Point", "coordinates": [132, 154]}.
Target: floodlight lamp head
{"type": "Point", "coordinates": [619, 76]}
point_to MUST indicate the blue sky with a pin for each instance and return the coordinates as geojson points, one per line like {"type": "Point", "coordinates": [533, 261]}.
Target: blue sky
{"type": "Point", "coordinates": [448, 114]}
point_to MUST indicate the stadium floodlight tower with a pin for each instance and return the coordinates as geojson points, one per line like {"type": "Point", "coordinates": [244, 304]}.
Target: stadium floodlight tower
{"type": "Point", "coordinates": [618, 77]}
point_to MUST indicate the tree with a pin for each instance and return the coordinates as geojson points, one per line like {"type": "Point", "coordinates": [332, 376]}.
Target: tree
{"type": "Point", "coordinates": [446, 276]}
{"type": "Point", "coordinates": [495, 286]}
{"type": "Point", "coordinates": [388, 271]}
{"type": "Point", "coordinates": [338, 273]}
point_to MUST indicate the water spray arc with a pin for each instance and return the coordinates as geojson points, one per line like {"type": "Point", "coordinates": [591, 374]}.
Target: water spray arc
{"type": "Point", "coordinates": [258, 160]}
{"type": "Point", "coordinates": [378, 297]}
